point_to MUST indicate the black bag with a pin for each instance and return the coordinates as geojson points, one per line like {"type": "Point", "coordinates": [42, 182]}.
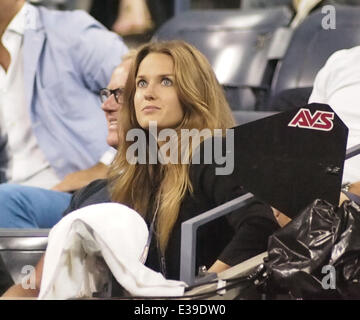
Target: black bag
{"type": "Point", "coordinates": [317, 255]}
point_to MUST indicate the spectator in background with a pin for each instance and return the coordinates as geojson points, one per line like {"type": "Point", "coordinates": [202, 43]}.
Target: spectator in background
{"type": "Point", "coordinates": [52, 66]}
{"type": "Point", "coordinates": [105, 11]}
{"type": "Point", "coordinates": [131, 17]}
{"type": "Point", "coordinates": [127, 17]}
{"type": "Point", "coordinates": [31, 207]}
{"type": "Point", "coordinates": [337, 84]}
{"type": "Point", "coordinates": [36, 201]}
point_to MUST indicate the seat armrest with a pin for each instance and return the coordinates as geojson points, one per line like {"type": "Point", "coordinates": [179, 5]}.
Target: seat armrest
{"type": "Point", "coordinates": [189, 229]}
{"type": "Point", "coordinates": [21, 249]}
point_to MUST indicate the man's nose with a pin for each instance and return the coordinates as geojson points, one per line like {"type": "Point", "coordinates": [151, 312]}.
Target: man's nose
{"type": "Point", "coordinates": [109, 104]}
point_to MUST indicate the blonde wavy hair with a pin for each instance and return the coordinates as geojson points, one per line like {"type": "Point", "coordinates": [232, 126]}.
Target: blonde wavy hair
{"type": "Point", "coordinates": [144, 186]}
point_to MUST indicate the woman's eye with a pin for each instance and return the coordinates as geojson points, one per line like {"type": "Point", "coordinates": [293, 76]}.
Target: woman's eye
{"type": "Point", "coordinates": [141, 84]}
{"type": "Point", "coordinates": [166, 82]}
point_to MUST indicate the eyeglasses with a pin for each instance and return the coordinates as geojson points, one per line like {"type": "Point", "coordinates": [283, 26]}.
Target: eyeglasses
{"type": "Point", "coordinates": [105, 93]}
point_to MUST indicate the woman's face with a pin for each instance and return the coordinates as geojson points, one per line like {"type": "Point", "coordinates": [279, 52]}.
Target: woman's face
{"type": "Point", "coordinates": [156, 98]}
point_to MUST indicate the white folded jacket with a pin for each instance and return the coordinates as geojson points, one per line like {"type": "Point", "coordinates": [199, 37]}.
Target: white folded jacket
{"type": "Point", "coordinates": [83, 241]}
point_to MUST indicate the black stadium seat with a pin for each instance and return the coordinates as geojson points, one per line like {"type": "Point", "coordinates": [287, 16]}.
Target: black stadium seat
{"type": "Point", "coordinates": [242, 117]}
{"type": "Point", "coordinates": [311, 45]}
{"type": "Point", "coordinates": [236, 42]}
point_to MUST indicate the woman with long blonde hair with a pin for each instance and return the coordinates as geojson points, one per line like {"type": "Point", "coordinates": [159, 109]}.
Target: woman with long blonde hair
{"type": "Point", "coordinates": [172, 85]}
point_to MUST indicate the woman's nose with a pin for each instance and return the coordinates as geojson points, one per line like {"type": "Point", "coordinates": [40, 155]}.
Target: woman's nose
{"type": "Point", "coordinates": [149, 93]}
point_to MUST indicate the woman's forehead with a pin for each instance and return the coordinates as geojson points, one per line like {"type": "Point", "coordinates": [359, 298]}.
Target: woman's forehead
{"type": "Point", "coordinates": [156, 63]}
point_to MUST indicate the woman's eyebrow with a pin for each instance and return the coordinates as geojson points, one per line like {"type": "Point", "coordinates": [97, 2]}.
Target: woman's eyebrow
{"type": "Point", "coordinates": [158, 75]}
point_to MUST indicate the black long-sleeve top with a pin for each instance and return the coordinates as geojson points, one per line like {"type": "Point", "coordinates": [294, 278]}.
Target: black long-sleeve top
{"type": "Point", "coordinates": [237, 237]}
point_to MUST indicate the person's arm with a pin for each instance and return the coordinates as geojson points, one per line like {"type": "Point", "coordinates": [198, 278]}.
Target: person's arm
{"type": "Point", "coordinates": [18, 291]}
{"type": "Point", "coordinates": [355, 188]}
{"type": "Point", "coordinates": [96, 51]}
{"type": "Point", "coordinates": [324, 80]}
{"type": "Point", "coordinates": [250, 240]}
{"type": "Point", "coordinates": [252, 224]}
{"type": "Point", "coordinates": [250, 237]}
{"type": "Point", "coordinates": [352, 193]}
{"type": "Point", "coordinates": [219, 266]}
{"type": "Point", "coordinates": [79, 179]}
{"type": "Point", "coordinates": [133, 18]}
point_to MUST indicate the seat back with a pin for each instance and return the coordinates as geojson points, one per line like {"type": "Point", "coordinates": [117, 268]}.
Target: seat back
{"type": "Point", "coordinates": [242, 117]}
{"type": "Point", "coordinates": [235, 42]}
{"type": "Point", "coordinates": [311, 45]}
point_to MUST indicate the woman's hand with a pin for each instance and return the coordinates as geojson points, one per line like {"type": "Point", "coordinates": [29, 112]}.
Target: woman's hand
{"type": "Point", "coordinates": [218, 267]}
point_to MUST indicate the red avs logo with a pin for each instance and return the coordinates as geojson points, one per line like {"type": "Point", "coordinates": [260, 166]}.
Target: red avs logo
{"type": "Point", "coordinates": [321, 120]}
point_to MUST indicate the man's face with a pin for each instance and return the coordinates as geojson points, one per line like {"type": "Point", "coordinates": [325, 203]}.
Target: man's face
{"type": "Point", "coordinates": [110, 106]}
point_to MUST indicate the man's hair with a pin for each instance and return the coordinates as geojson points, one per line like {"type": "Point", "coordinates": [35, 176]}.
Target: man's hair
{"type": "Point", "coordinates": [131, 54]}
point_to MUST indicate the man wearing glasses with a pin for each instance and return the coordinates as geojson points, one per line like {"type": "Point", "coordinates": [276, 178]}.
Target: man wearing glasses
{"type": "Point", "coordinates": [52, 66]}
{"type": "Point", "coordinates": [37, 207]}
{"type": "Point", "coordinates": [111, 98]}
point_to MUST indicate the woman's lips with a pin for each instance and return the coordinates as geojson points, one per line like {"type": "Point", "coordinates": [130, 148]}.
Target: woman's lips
{"type": "Point", "coordinates": [150, 108]}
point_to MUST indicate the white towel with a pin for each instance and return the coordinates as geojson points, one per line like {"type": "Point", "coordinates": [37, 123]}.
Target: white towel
{"type": "Point", "coordinates": [73, 266]}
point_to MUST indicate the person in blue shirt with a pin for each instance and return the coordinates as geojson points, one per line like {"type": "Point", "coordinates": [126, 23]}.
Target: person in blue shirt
{"type": "Point", "coordinates": [62, 61]}
{"type": "Point", "coordinates": [52, 66]}
{"type": "Point", "coordinates": [33, 207]}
